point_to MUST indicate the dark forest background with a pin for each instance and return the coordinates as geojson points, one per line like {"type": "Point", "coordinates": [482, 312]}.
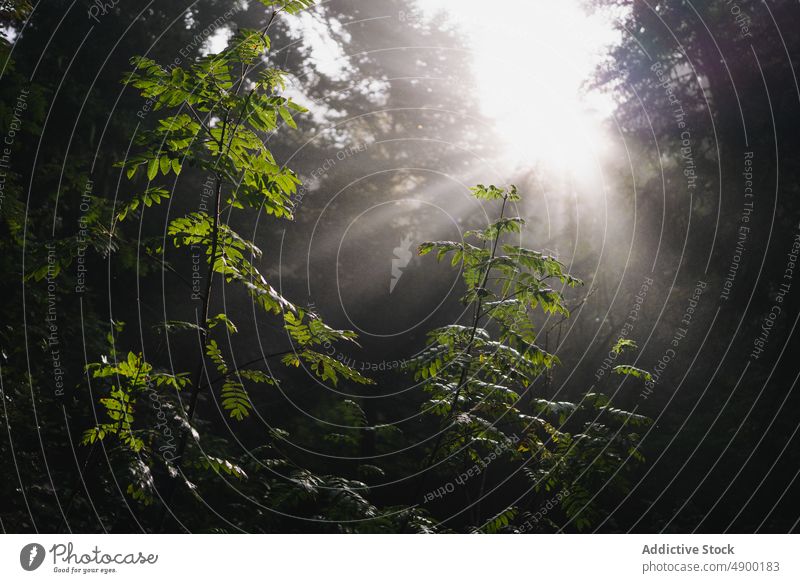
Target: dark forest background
{"type": "Point", "coordinates": [673, 254]}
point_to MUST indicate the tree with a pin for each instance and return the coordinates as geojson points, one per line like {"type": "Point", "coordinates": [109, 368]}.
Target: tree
{"type": "Point", "coordinates": [480, 376]}
{"type": "Point", "coordinates": [217, 107]}
{"type": "Point", "coordinates": [709, 105]}
{"type": "Point", "coordinates": [189, 407]}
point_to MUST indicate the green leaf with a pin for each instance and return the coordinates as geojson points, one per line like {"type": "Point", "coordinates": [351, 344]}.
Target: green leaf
{"type": "Point", "coordinates": [235, 399]}
{"type": "Point", "coordinates": [625, 369]}
{"type": "Point", "coordinates": [223, 318]}
{"type": "Point", "coordinates": [152, 168]}
{"type": "Point", "coordinates": [623, 343]}
{"type": "Point", "coordinates": [221, 465]}
{"type": "Point", "coordinates": [499, 521]}
{"type": "Point", "coordinates": [287, 117]}
{"type": "Point", "coordinates": [215, 354]}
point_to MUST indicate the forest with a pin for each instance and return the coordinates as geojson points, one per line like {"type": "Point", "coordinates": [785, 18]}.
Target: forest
{"type": "Point", "coordinates": [286, 266]}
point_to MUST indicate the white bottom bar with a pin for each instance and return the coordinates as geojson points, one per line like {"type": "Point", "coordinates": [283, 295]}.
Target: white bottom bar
{"type": "Point", "coordinates": [400, 558]}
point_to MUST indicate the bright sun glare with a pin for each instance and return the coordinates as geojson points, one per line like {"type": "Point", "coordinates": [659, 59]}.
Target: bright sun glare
{"type": "Point", "coordinates": [530, 60]}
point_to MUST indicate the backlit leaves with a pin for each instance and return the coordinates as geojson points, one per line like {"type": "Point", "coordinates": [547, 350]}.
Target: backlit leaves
{"type": "Point", "coordinates": [476, 375]}
{"type": "Point", "coordinates": [215, 116]}
{"type": "Point", "coordinates": [628, 370]}
{"type": "Point", "coordinates": [221, 466]}
{"type": "Point", "coordinates": [492, 192]}
{"type": "Point", "coordinates": [290, 6]}
{"type": "Point", "coordinates": [623, 343]}
{"type": "Point", "coordinates": [235, 399]}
